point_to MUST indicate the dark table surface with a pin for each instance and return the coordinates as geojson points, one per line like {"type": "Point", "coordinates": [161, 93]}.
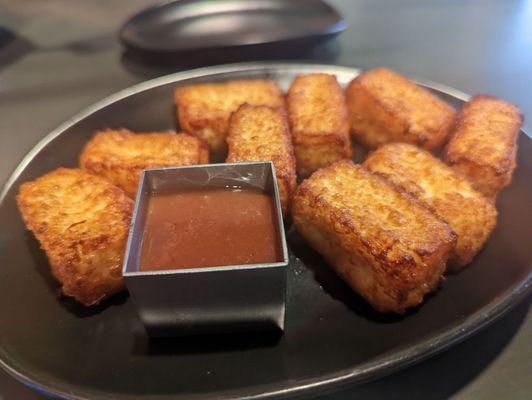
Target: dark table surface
{"type": "Point", "coordinates": [58, 56]}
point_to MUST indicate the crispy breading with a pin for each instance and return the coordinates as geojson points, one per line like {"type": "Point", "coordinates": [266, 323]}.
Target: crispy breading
{"type": "Point", "coordinates": [318, 119]}
{"type": "Point", "coordinates": [384, 106]}
{"type": "Point", "coordinates": [261, 133]}
{"type": "Point", "coordinates": [483, 145]}
{"type": "Point", "coordinates": [471, 216]}
{"type": "Point", "coordinates": [121, 155]}
{"type": "Point", "coordinates": [204, 109]}
{"type": "Point", "coordinates": [387, 246]}
{"type": "Point", "coordinates": [82, 222]}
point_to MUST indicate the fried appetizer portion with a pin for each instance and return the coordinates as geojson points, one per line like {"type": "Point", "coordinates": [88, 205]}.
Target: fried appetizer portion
{"type": "Point", "coordinates": [204, 109]}
{"type": "Point", "coordinates": [261, 133]}
{"type": "Point", "coordinates": [318, 118]}
{"type": "Point", "coordinates": [121, 155]}
{"type": "Point", "coordinates": [82, 222]}
{"type": "Point", "coordinates": [471, 216]}
{"type": "Point", "coordinates": [384, 106]}
{"type": "Point", "coordinates": [388, 247]}
{"type": "Point", "coordinates": [484, 143]}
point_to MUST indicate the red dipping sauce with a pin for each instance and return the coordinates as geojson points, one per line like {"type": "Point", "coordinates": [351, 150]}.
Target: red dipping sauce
{"type": "Point", "coordinates": [195, 228]}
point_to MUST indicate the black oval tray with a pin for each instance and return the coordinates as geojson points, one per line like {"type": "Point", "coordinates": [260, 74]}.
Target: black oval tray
{"type": "Point", "coordinates": [332, 337]}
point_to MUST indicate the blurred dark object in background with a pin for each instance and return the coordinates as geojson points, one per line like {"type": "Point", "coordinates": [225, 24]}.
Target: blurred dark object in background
{"type": "Point", "coordinates": [192, 33]}
{"type": "Point", "coordinates": [188, 25]}
{"type": "Point", "coordinates": [12, 47]}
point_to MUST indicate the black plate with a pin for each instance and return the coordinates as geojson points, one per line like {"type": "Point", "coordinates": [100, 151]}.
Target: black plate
{"type": "Point", "coordinates": [186, 25]}
{"type": "Point", "coordinates": [332, 337]}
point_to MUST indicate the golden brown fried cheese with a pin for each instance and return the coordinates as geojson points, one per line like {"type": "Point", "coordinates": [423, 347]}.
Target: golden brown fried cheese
{"type": "Point", "coordinates": [471, 216]}
{"type": "Point", "coordinates": [387, 246]}
{"type": "Point", "coordinates": [204, 109]}
{"type": "Point", "coordinates": [82, 222]}
{"type": "Point", "coordinates": [318, 119]}
{"type": "Point", "coordinates": [483, 145]}
{"type": "Point", "coordinates": [121, 155]}
{"type": "Point", "coordinates": [261, 133]}
{"type": "Point", "coordinates": [384, 106]}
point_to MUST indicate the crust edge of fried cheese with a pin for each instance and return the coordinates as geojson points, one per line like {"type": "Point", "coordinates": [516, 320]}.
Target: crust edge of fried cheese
{"type": "Point", "coordinates": [204, 109]}
{"type": "Point", "coordinates": [261, 133]}
{"type": "Point", "coordinates": [82, 222]}
{"type": "Point", "coordinates": [384, 107]}
{"type": "Point", "coordinates": [388, 247]}
{"type": "Point", "coordinates": [120, 155]}
{"type": "Point", "coordinates": [318, 120]}
{"type": "Point", "coordinates": [471, 215]}
{"type": "Point", "coordinates": [483, 145]}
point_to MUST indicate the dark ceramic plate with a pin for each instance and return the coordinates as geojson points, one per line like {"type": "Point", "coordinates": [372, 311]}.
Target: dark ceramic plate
{"type": "Point", "coordinates": [185, 25]}
{"type": "Point", "coordinates": [332, 336]}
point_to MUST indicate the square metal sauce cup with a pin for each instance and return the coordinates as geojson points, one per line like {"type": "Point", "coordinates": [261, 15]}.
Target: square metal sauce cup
{"type": "Point", "coordinates": [210, 300]}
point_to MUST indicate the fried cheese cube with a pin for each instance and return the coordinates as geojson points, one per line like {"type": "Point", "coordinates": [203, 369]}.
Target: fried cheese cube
{"type": "Point", "coordinates": [384, 106]}
{"type": "Point", "coordinates": [121, 155]}
{"type": "Point", "coordinates": [319, 124]}
{"type": "Point", "coordinates": [483, 145]}
{"type": "Point", "coordinates": [261, 133]}
{"type": "Point", "coordinates": [471, 216]}
{"type": "Point", "coordinates": [82, 223]}
{"type": "Point", "coordinates": [204, 109]}
{"type": "Point", "coordinates": [387, 246]}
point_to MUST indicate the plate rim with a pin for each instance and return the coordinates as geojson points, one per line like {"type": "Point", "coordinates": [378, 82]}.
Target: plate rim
{"type": "Point", "coordinates": [375, 368]}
